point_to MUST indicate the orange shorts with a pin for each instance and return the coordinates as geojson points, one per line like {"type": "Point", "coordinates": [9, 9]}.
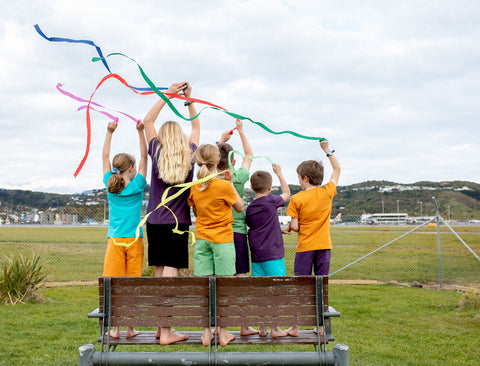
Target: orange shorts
{"type": "Point", "coordinates": [123, 261]}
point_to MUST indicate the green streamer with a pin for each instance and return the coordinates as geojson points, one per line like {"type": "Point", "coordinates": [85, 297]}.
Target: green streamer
{"type": "Point", "coordinates": [172, 107]}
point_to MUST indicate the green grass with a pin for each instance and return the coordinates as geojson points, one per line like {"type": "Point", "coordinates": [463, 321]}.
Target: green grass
{"type": "Point", "coordinates": [382, 325]}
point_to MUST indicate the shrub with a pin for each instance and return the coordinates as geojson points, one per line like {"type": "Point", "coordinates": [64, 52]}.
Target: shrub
{"type": "Point", "coordinates": [20, 279]}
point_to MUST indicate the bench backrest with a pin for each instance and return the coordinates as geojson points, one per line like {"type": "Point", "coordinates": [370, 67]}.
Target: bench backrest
{"type": "Point", "coordinates": [209, 301]}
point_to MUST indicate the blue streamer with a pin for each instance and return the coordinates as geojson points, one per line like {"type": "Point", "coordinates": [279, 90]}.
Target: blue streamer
{"type": "Point", "coordinates": [91, 43]}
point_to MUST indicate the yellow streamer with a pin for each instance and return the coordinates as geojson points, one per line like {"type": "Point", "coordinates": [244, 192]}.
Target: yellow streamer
{"type": "Point", "coordinates": [163, 202]}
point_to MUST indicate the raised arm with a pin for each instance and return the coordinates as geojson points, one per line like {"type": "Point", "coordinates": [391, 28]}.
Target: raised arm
{"type": "Point", "coordinates": [195, 135]}
{"type": "Point", "coordinates": [333, 161]}
{"type": "Point", "coordinates": [247, 149]}
{"type": "Point", "coordinates": [143, 163]}
{"type": "Point", "coordinates": [238, 205]}
{"type": "Point", "coordinates": [151, 117]}
{"type": "Point", "coordinates": [107, 166]}
{"type": "Point", "coordinates": [283, 183]}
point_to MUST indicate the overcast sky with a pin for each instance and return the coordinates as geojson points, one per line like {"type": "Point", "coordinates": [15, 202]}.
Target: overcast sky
{"type": "Point", "coordinates": [394, 86]}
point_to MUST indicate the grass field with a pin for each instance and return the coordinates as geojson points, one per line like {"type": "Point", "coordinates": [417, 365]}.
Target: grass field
{"type": "Point", "coordinates": [382, 325]}
{"type": "Point", "coordinates": [76, 253]}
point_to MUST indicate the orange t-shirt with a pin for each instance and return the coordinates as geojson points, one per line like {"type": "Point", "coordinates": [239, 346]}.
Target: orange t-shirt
{"type": "Point", "coordinates": [214, 213]}
{"type": "Point", "coordinates": [312, 208]}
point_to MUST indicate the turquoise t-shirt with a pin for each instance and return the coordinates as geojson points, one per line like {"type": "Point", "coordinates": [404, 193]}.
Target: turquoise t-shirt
{"type": "Point", "coordinates": [240, 177]}
{"type": "Point", "coordinates": [125, 208]}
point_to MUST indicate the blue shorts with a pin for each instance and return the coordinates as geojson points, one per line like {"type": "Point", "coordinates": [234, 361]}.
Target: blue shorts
{"type": "Point", "coordinates": [275, 267]}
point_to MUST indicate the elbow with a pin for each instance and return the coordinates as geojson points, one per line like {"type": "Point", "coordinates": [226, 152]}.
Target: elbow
{"type": "Point", "coordinates": [238, 207]}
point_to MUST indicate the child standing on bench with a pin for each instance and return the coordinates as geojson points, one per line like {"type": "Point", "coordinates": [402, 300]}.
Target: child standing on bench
{"type": "Point", "coordinates": [264, 234]}
{"type": "Point", "coordinates": [171, 151]}
{"type": "Point", "coordinates": [124, 254]}
{"type": "Point", "coordinates": [212, 202]}
{"type": "Point", "coordinates": [310, 212]}
{"type": "Point", "coordinates": [240, 177]}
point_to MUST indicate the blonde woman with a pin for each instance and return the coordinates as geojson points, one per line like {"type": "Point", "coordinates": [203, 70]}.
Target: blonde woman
{"type": "Point", "coordinates": [212, 203]}
{"type": "Point", "coordinates": [171, 153]}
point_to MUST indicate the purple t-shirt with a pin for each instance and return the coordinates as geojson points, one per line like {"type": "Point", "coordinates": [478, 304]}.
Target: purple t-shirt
{"type": "Point", "coordinates": [179, 205]}
{"type": "Point", "coordinates": [264, 233]}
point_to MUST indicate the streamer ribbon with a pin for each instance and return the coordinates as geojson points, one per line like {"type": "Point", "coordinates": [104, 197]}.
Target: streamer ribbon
{"type": "Point", "coordinates": [172, 107]}
{"type": "Point", "coordinates": [74, 97]}
{"type": "Point", "coordinates": [90, 43]}
{"type": "Point", "coordinates": [164, 200]}
{"type": "Point", "coordinates": [232, 168]}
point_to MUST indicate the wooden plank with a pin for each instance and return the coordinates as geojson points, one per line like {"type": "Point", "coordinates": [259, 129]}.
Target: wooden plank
{"type": "Point", "coordinates": [245, 300]}
{"type": "Point", "coordinates": [235, 311]}
{"type": "Point", "coordinates": [229, 281]}
{"type": "Point", "coordinates": [265, 291]}
{"type": "Point", "coordinates": [194, 338]}
{"type": "Point", "coordinates": [280, 321]}
{"type": "Point", "coordinates": [160, 301]}
{"type": "Point", "coordinates": [152, 311]}
{"type": "Point", "coordinates": [159, 321]}
{"type": "Point", "coordinates": [159, 289]}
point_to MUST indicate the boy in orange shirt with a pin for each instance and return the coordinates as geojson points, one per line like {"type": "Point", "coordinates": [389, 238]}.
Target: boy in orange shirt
{"type": "Point", "coordinates": [310, 211]}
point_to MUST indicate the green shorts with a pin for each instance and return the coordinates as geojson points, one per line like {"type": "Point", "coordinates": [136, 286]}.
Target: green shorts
{"type": "Point", "coordinates": [211, 258]}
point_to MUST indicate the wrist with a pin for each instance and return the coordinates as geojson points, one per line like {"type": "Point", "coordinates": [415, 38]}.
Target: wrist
{"type": "Point", "coordinates": [329, 153]}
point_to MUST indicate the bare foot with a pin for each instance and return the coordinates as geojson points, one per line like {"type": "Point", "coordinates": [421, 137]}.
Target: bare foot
{"type": "Point", "coordinates": [225, 337]}
{"type": "Point", "coordinates": [320, 333]}
{"type": "Point", "coordinates": [263, 331]}
{"type": "Point", "coordinates": [115, 332]}
{"type": "Point", "coordinates": [207, 337]}
{"type": "Point", "coordinates": [246, 331]}
{"type": "Point", "coordinates": [293, 331]}
{"type": "Point", "coordinates": [131, 332]}
{"type": "Point", "coordinates": [159, 332]}
{"type": "Point", "coordinates": [278, 332]}
{"type": "Point", "coordinates": [169, 337]}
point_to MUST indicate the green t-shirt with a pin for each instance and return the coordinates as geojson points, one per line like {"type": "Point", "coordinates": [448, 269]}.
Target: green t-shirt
{"type": "Point", "coordinates": [240, 177]}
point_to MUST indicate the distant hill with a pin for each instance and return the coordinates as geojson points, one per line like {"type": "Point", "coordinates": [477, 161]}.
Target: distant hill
{"type": "Point", "coordinates": [458, 200]}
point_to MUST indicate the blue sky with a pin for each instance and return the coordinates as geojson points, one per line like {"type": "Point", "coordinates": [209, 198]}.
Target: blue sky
{"type": "Point", "coordinates": [394, 86]}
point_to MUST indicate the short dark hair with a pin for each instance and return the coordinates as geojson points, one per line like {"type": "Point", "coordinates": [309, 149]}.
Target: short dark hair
{"type": "Point", "coordinates": [313, 170]}
{"type": "Point", "coordinates": [224, 150]}
{"type": "Point", "coordinates": [260, 181]}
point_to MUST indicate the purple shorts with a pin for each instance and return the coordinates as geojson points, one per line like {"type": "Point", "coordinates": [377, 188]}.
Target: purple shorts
{"type": "Point", "coordinates": [318, 259]}
{"type": "Point", "coordinates": [242, 261]}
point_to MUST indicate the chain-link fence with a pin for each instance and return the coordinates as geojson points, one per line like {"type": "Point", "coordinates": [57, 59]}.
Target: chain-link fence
{"type": "Point", "coordinates": [72, 247]}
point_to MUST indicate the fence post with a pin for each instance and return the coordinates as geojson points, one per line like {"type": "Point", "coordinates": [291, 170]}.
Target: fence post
{"type": "Point", "coordinates": [437, 220]}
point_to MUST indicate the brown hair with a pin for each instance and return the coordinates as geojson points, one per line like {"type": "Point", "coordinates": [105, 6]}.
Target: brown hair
{"type": "Point", "coordinates": [224, 149]}
{"type": "Point", "coordinates": [122, 162]}
{"type": "Point", "coordinates": [206, 157]}
{"type": "Point", "coordinates": [260, 181]}
{"type": "Point", "coordinates": [313, 170]}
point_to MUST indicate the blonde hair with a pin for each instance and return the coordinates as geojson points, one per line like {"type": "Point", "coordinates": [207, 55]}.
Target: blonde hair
{"type": "Point", "coordinates": [174, 156]}
{"type": "Point", "coordinates": [206, 157]}
{"type": "Point", "coordinates": [122, 162]}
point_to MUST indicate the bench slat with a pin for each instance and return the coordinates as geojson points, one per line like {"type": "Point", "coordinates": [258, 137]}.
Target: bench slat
{"type": "Point", "coordinates": [194, 338]}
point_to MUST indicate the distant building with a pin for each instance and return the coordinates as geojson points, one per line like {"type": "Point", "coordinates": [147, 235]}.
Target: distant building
{"type": "Point", "coordinates": [384, 218]}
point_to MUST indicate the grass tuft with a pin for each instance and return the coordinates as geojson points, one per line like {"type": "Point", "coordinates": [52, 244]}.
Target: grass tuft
{"type": "Point", "coordinates": [20, 279]}
{"type": "Point", "coordinates": [470, 303]}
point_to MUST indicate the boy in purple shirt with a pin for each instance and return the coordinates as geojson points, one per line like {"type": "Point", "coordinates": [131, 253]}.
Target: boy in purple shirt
{"type": "Point", "coordinates": [264, 233]}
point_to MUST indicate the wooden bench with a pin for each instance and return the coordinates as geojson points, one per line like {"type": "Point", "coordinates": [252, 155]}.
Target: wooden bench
{"type": "Point", "coordinates": [197, 302]}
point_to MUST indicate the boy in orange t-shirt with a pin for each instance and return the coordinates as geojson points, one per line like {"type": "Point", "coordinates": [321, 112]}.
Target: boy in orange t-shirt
{"type": "Point", "coordinates": [310, 211]}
